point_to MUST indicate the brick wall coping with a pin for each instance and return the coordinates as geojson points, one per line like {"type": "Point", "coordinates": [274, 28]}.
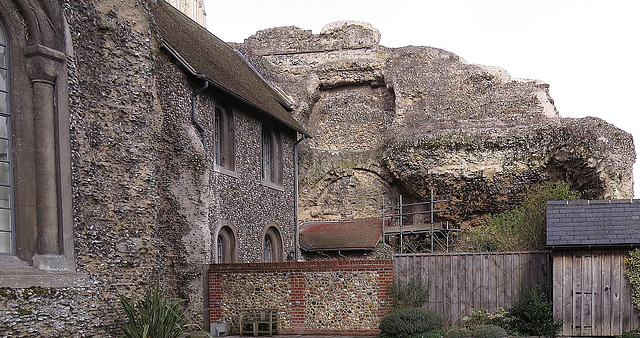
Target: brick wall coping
{"type": "Point", "coordinates": [349, 265]}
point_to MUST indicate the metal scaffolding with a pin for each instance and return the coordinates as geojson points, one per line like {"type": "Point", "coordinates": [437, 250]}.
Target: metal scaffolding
{"type": "Point", "coordinates": [437, 234]}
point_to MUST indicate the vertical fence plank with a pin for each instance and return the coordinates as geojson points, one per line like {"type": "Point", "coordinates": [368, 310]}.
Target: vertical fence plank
{"type": "Point", "coordinates": [606, 295]}
{"type": "Point", "coordinates": [596, 289]}
{"type": "Point", "coordinates": [464, 285]}
{"type": "Point", "coordinates": [567, 295]}
{"type": "Point", "coordinates": [455, 289]}
{"type": "Point", "coordinates": [558, 292]}
{"type": "Point", "coordinates": [616, 288]}
{"type": "Point", "coordinates": [625, 299]}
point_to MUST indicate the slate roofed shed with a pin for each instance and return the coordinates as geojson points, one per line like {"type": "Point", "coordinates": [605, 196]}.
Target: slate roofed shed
{"type": "Point", "coordinates": [204, 53]}
{"type": "Point", "coordinates": [591, 224]}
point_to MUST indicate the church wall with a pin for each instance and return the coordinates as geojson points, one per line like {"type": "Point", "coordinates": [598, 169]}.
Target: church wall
{"type": "Point", "coordinates": [146, 202]}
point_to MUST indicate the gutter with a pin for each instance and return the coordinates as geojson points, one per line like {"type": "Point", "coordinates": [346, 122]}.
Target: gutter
{"type": "Point", "coordinates": [194, 119]}
{"type": "Point", "coordinates": [593, 246]}
{"type": "Point", "coordinates": [295, 197]}
{"type": "Point", "coordinates": [339, 249]}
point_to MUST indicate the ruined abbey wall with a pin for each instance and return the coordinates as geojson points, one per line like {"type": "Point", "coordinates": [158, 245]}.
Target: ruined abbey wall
{"type": "Point", "coordinates": [404, 121]}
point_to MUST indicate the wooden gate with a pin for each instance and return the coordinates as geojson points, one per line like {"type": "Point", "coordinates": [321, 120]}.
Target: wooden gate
{"type": "Point", "coordinates": [591, 294]}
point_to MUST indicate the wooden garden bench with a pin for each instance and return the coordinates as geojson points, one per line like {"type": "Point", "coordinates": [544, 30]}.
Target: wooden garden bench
{"type": "Point", "coordinates": [259, 321]}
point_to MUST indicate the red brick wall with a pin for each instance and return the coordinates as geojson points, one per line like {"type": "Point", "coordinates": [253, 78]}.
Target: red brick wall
{"type": "Point", "coordinates": [358, 288]}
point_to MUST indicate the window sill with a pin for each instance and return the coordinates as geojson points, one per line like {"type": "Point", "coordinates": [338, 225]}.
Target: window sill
{"type": "Point", "coordinates": [15, 273]}
{"type": "Point", "coordinates": [225, 171]}
{"type": "Point", "coordinates": [272, 185]}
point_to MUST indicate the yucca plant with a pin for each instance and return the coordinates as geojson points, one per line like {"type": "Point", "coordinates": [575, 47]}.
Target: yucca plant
{"type": "Point", "coordinates": [154, 316]}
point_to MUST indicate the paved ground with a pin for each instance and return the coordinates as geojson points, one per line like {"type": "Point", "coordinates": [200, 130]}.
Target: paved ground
{"type": "Point", "coordinates": [195, 335]}
{"type": "Point", "coordinates": [307, 336]}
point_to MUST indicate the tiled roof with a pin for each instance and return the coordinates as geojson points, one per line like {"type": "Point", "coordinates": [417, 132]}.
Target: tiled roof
{"type": "Point", "coordinates": [598, 223]}
{"type": "Point", "coordinates": [357, 234]}
{"type": "Point", "coordinates": [206, 54]}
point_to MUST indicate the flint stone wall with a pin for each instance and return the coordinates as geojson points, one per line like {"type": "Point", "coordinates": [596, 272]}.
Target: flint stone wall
{"type": "Point", "coordinates": [335, 297]}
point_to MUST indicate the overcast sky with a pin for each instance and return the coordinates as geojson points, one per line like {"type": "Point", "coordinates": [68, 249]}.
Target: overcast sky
{"type": "Point", "coordinates": [587, 50]}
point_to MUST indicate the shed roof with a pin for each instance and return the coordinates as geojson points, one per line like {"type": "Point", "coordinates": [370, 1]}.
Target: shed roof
{"type": "Point", "coordinates": [593, 223]}
{"type": "Point", "coordinates": [356, 234]}
{"type": "Point", "coordinates": [224, 67]}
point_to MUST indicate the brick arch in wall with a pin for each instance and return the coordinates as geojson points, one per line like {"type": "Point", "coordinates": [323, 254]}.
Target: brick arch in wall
{"type": "Point", "coordinates": [357, 188]}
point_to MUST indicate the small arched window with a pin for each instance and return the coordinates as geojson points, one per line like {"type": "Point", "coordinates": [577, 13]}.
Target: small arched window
{"type": "Point", "coordinates": [273, 250]}
{"type": "Point", "coordinates": [7, 231]}
{"type": "Point", "coordinates": [226, 246]}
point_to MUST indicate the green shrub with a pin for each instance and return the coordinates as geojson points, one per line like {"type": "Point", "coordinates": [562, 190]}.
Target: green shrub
{"type": "Point", "coordinates": [633, 273]}
{"type": "Point", "coordinates": [439, 333]}
{"type": "Point", "coordinates": [489, 331]}
{"type": "Point", "coordinates": [405, 322]}
{"type": "Point", "coordinates": [458, 333]}
{"type": "Point", "coordinates": [411, 294]}
{"type": "Point", "coordinates": [481, 317]}
{"type": "Point", "coordinates": [532, 314]}
{"type": "Point", "coordinates": [631, 334]}
{"type": "Point", "coordinates": [154, 316]}
{"type": "Point", "coordinates": [523, 228]}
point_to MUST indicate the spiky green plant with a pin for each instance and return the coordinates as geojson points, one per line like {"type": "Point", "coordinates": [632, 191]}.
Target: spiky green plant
{"type": "Point", "coordinates": [154, 316]}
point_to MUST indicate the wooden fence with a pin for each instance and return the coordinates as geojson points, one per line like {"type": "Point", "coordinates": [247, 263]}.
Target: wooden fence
{"type": "Point", "coordinates": [464, 281]}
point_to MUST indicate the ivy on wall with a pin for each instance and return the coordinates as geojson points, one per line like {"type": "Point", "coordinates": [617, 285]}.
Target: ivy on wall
{"type": "Point", "coordinates": [633, 273]}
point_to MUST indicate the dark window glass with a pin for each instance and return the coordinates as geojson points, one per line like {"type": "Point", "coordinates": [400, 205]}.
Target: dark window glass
{"type": "Point", "coordinates": [268, 249]}
{"type": "Point", "coordinates": [220, 249]}
{"type": "Point", "coordinates": [266, 154]}
{"type": "Point", "coordinates": [6, 216]}
{"type": "Point", "coordinates": [217, 137]}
